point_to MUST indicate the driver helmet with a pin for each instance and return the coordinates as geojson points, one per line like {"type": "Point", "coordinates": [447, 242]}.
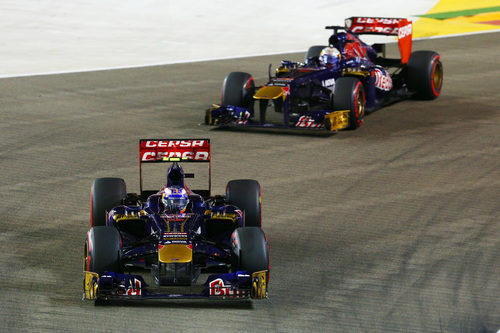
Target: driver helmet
{"type": "Point", "coordinates": [329, 56]}
{"type": "Point", "coordinates": [175, 199]}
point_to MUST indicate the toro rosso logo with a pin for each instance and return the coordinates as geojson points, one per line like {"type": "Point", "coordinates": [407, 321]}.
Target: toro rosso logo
{"type": "Point", "coordinates": [218, 288]}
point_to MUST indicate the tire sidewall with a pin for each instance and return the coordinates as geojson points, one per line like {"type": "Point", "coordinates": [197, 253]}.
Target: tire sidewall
{"type": "Point", "coordinates": [251, 247]}
{"type": "Point", "coordinates": [102, 252]}
{"type": "Point", "coordinates": [238, 89]}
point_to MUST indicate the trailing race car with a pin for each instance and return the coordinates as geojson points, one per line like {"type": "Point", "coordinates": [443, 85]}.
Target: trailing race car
{"type": "Point", "coordinates": [337, 84]}
{"type": "Point", "coordinates": [176, 233]}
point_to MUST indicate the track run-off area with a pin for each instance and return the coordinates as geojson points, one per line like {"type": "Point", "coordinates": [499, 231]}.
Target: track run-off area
{"type": "Point", "coordinates": [393, 227]}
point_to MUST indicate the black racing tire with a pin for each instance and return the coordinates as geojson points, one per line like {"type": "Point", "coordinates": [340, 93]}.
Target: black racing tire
{"type": "Point", "coordinates": [238, 89]}
{"type": "Point", "coordinates": [349, 94]}
{"type": "Point", "coordinates": [102, 250]}
{"type": "Point", "coordinates": [105, 194]}
{"type": "Point", "coordinates": [313, 51]}
{"type": "Point", "coordinates": [246, 195]}
{"type": "Point", "coordinates": [425, 74]}
{"type": "Point", "coordinates": [251, 248]}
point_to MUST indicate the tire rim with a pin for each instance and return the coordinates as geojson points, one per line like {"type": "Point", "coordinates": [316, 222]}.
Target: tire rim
{"type": "Point", "coordinates": [437, 77]}
{"type": "Point", "coordinates": [360, 105]}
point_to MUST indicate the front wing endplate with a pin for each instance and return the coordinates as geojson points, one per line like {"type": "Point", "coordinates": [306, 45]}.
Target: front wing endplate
{"type": "Point", "coordinates": [259, 285]}
{"type": "Point", "coordinates": [337, 120]}
{"type": "Point", "coordinates": [90, 284]}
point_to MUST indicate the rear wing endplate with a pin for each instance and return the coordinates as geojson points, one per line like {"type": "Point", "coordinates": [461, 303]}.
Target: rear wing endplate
{"type": "Point", "coordinates": [175, 150]}
{"type": "Point", "coordinates": [400, 27]}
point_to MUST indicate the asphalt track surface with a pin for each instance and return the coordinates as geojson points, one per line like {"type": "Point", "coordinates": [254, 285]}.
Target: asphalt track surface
{"type": "Point", "coordinates": [393, 227]}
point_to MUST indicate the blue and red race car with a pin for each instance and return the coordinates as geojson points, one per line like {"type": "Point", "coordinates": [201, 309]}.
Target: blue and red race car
{"type": "Point", "coordinates": [176, 233]}
{"type": "Point", "coordinates": [336, 85]}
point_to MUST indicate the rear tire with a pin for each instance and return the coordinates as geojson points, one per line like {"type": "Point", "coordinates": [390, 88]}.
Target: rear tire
{"type": "Point", "coordinates": [251, 247]}
{"type": "Point", "coordinates": [238, 89]}
{"type": "Point", "coordinates": [246, 195]}
{"type": "Point", "coordinates": [349, 94]}
{"type": "Point", "coordinates": [105, 194]}
{"type": "Point", "coordinates": [425, 74]}
{"type": "Point", "coordinates": [102, 250]}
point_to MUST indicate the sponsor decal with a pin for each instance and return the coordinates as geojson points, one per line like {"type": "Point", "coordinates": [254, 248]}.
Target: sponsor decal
{"type": "Point", "coordinates": [308, 122]}
{"type": "Point", "coordinates": [376, 20]}
{"type": "Point", "coordinates": [330, 83]}
{"type": "Point", "coordinates": [405, 31]}
{"type": "Point", "coordinates": [134, 289]}
{"type": "Point", "coordinates": [173, 143]}
{"type": "Point", "coordinates": [383, 80]}
{"type": "Point", "coordinates": [174, 150]}
{"type": "Point", "coordinates": [168, 155]}
{"type": "Point", "coordinates": [174, 238]}
{"type": "Point", "coordinates": [218, 288]}
{"type": "Point", "coordinates": [243, 118]}
{"type": "Point", "coordinates": [386, 26]}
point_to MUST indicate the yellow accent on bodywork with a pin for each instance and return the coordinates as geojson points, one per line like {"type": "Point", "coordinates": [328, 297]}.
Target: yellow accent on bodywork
{"type": "Point", "coordinates": [348, 72]}
{"type": "Point", "coordinates": [129, 216]}
{"type": "Point", "coordinates": [259, 285]}
{"type": "Point", "coordinates": [337, 120]}
{"type": "Point", "coordinates": [269, 92]}
{"type": "Point", "coordinates": [90, 285]}
{"type": "Point", "coordinates": [175, 253]}
{"type": "Point", "coordinates": [225, 216]}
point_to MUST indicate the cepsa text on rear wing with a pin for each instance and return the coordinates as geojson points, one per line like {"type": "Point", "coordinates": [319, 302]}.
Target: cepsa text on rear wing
{"type": "Point", "coordinates": [174, 150]}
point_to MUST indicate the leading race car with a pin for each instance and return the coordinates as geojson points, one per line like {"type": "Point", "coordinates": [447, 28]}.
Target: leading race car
{"type": "Point", "coordinates": [175, 233]}
{"type": "Point", "coordinates": [337, 84]}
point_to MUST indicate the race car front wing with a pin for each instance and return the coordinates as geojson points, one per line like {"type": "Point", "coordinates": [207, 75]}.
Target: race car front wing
{"type": "Point", "coordinates": [111, 285]}
{"type": "Point", "coordinates": [234, 116]}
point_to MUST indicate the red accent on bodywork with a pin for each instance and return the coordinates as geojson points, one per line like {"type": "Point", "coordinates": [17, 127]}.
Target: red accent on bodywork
{"type": "Point", "coordinates": [405, 40]}
{"type": "Point", "coordinates": [400, 27]}
{"type": "Point", "coordinates": [194, 150]}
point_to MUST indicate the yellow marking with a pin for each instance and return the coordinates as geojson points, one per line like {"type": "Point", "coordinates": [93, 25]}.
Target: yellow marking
{"type": "Point", "coordinates": [90, 285]}
{"type": "Point", "coordinates": [259, 284]}
{"type": "Point", "coordinates": [168, 224]}
{"type": "Point", "coordinates": [232, 217]}
{"type": "Point", "coordinates": [269, 92]}
{"type": "Point", "coordinates": [337, 120]}
{"type": "Point", "coordinates": [172, 159]}
{"type": "Point", "coordinates": [175, 253]}
{"type": "Point", "coordinates": [357, 73]}
{"type": "Point", "coordinates": [183, 223]}
{"type": "Point", "coordinates": [129, 216]}
{"type": "Point", "coordinates": [428, 27]}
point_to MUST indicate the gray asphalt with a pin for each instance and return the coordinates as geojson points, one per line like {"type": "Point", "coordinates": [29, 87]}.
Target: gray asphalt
{"type": "Point", "coordinates": [390, 228]}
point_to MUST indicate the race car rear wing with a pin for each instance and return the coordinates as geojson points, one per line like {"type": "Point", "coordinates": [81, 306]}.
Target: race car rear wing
{"type": "Point", "coordinates": [176, 150]}
{"type": "Point", "coordinates": [400, 27]}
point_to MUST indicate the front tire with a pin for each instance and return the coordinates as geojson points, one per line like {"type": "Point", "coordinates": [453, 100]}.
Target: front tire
{"type": "Point", "coordinates": [102, 250]}
{"type": "Point", "coordinates": [425, 74]}
{"type": "Point", "coordinates": [349, 94]}
{"type": "Point", "coordinates": [105, 194]}
{"type": "Point", "coordinates": [251, 248]}
{"type": "Point", "coordinates": [238, 89]}
{"type": "Point", "coordinates": [246, 195]}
